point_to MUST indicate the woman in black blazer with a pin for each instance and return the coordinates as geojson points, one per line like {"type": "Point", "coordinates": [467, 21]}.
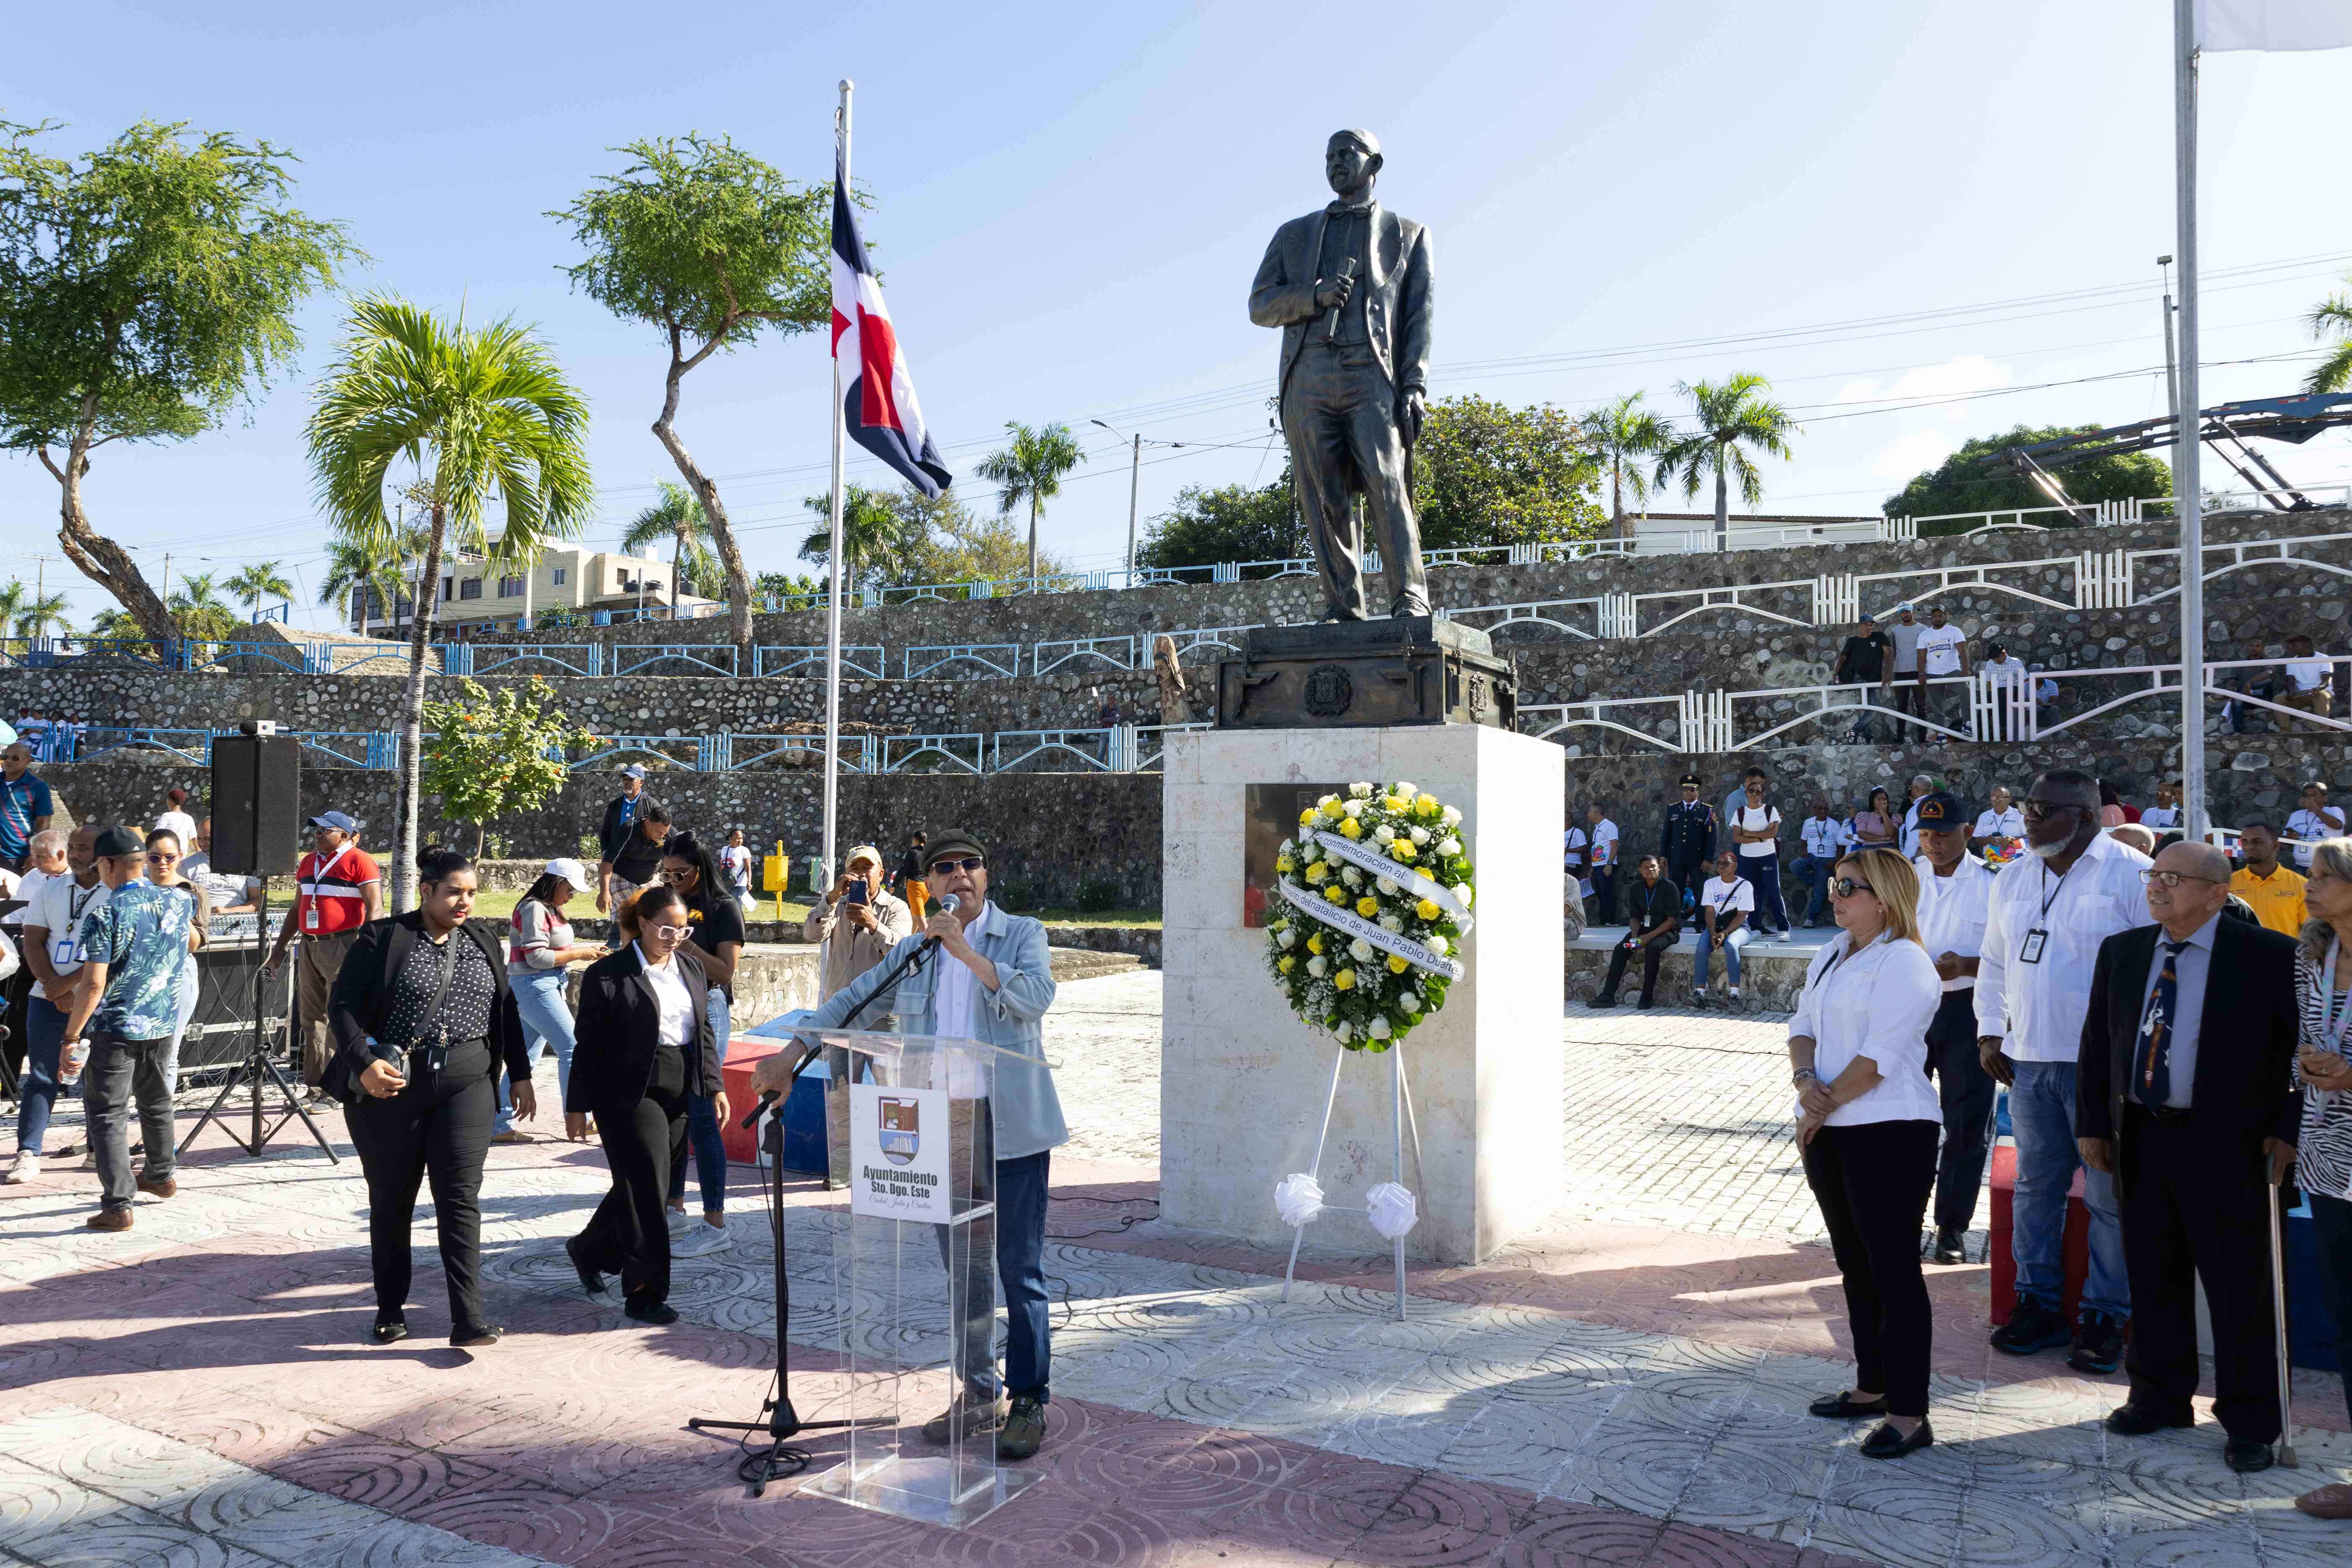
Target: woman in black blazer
{"type": "Point", "coordinates": [423, 1022]}
{"type": "Point", "coordinates": [646, 1050]}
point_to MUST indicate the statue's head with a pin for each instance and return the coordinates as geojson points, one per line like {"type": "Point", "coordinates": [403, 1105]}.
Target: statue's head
{"type": "Point", "coordinates": [1350, 161]}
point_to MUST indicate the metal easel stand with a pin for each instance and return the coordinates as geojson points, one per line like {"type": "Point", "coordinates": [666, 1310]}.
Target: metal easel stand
{"type": "Point", "coordinates": [258, 1065]}
{"type": "Point", "coordinates": [1401, 1118]}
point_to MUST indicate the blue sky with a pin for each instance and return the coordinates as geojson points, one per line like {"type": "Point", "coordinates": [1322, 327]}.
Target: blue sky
{"type": "Point", "coordinates": [1071, 200]}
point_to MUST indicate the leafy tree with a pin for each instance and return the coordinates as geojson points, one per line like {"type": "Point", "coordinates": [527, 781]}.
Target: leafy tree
{"type": "Point", "coordinates": [117, 624]}
{"type": "Point", "coordinates": [493, 752]}
{"type": "Point", "coordinates": [475, 412]}
{"type": "Point", "coordinates": [710, 246]}
{"type": "Point", "coordinates": [354, 572]}
{"type": "Point", "coordinates": [1732, 415]}
{"type": "Point", "coordinates": [199, 613]}
{"type": "Point", "coordinates": [39, 614]}
{"type": "Point", "coordinates": [877, 539]}
{"type": "Point", "coordinates": [146, 290]}
{"type": "Point", "coordinates": [262, 580]}
{"type": "Point", "coordinates": [2333, 374]}
{"type": "Point", "coordinates": [954, 545]}
{"type": "Point", "coordinates": [1974, 479]}
{"type": "Point", "coordinates": [1488, 474]}
{"type": "Point", "coordinates": [1030, 469]}
{"type": "Point", "coordinates": [679, 518]}
{"type": "Point", "coordinates": [773, 586]}
{"type": "Point", "coordinates": [1626, 436]}
{"type": "Point", "coordinates": [1226, 523]}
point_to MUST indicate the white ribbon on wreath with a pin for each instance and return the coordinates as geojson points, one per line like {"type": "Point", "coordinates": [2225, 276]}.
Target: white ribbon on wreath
{"type": "Point", "coordinates": [1340, 918]}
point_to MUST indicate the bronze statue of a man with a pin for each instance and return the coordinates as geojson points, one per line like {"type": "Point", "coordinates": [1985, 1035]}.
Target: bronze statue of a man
{"type": "Point", "coordinates": [1348, 286]}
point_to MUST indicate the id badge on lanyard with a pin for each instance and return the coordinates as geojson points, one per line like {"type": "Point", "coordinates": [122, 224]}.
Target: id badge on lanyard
{"type": "Point", "coordinates": [310, 917]}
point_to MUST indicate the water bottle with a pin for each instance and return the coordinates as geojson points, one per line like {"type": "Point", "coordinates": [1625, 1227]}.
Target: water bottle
{"type": "Point", "coordinates": [69, 1064]}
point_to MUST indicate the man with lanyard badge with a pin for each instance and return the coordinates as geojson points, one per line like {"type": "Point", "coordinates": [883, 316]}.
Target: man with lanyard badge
{"type": "Point", "coordinates": [2050, 910]}
{"type": "Point", "coordinates": [1955, 895]}
{"type": "Point", "coordinates": [339, 889]}
{"type": "Point", "coordinates": [25, 806]}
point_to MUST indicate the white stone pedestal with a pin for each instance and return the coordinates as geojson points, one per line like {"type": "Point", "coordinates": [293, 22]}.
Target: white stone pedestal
{"type": "Point", "coordinates": [1243, 1081]}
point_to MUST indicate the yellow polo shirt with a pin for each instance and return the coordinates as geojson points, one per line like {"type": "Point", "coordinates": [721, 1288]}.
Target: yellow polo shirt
{"type": "Point", "coordinates": [2276, 900]}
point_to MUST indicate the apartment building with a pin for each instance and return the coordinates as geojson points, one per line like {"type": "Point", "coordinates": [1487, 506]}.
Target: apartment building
{"type": "Point", "coordinates": [568, 577]}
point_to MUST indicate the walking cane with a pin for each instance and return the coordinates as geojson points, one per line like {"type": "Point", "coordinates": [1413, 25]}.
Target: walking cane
{"type": "Point", "coordinates": [2278, 1317]}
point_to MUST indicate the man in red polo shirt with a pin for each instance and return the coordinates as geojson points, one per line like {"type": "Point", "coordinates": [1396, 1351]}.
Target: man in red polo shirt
{"type": "Point", "coordinates": [339, 890]}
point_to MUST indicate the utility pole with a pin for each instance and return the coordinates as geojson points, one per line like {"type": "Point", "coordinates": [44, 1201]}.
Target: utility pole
{"type": "Point", "coordinates": [1134, 490]}
{"type": "Point", "coordinates": [2187, 451]}
{"type": "Point", "coordinates": [2171, 377]}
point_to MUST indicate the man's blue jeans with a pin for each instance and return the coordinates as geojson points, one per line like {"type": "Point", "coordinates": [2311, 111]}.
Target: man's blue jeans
{"type": "Point", "coordinates": [546, 1012]}
{"type": "Point", "coordinates": [1019, 1187]}
{"type": "Point", "coordinates": [1730, 946]}
{"type": "Point", "coordinates": [2041, 1115]}
{"type": "Point", "coordinates": [1813, 876]}
{"type": "Point", "coordinates": [44, 1034]}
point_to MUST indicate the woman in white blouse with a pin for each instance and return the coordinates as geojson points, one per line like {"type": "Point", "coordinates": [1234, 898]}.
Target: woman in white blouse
{"type": "Point", "coordinates": [2323, 971]}
{"type": "Point", "coordinates": [1868, 1118]}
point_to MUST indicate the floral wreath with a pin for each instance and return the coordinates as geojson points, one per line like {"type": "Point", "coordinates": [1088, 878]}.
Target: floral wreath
{"type": "Point", "coordinates": [1375, 896]}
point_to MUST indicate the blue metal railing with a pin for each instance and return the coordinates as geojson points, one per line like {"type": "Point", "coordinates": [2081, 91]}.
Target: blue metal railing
{"type": "Point", "coordinates": [866, 659]}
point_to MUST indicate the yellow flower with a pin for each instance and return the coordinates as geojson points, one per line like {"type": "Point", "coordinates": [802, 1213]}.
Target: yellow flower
{"type": "Point", "coordinates": [1396, 803]}
{"type": "Point", "coordinates": [1282, 863]}
{"type": "Point", "coordinates": [1368, 906]}
{"type": "Point", "coordinates": [1427, 805]}
{"type": "Point", "coordinates": [1306, 819]}
{"type": "Point", "coordinates": [1427, 910]}
{"type": "Point", "coordinates": [1286, 963]}
{"type": "Point", "coordinates": [1314, 942]}
{"type": "Point", "coordinates": [1336, 893]}
{"type": "Point", "coordinates": [1345, 980]}
{"type": "Point", "coordinates": [1401, 850]}
{"type": "Point", "coordinates": [1320, 871]}
{"type": "Point", "coordinates": [1334, 810]}
{"type": "Point", "coordinates": [1396, 965]}
{"type": "Point", "coordinates": [1352, 828]}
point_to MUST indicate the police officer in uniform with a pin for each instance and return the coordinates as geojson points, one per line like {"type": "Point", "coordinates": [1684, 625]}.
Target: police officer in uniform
{"type": "Point", "coordinates": [1687, 841]}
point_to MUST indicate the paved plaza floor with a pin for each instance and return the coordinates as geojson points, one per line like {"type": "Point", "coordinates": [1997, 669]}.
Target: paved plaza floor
{"type": "Point", "coordinates": [1627, 1386]}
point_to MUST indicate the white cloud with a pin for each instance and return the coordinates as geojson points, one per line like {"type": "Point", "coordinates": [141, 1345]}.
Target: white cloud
{"type": "Point", "coordinates": [1912, 453]}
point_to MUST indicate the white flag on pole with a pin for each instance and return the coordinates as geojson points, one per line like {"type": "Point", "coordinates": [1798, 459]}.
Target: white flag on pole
{"type": "Point", "coordinates": [2273, 25]}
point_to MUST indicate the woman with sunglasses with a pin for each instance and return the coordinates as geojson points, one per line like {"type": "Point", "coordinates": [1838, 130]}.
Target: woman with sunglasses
{"type": "Point", "coordinates": [164, 854]}
{"type": "Point", "coordinates": [1868, 1118]}
{"type": "Point", "coordinates": [646, 1050]}
{"type": "Point", "coordinates": [715, 922]}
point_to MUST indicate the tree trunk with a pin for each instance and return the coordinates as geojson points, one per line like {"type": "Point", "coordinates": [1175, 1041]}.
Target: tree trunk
{"type": "Point", "coordinates": [99, 558]}
{"type": "Point", "coordinates": [1033, 543]}
{"type": "Point", "coordinates": [1617, 498]}
{"type": "Point", "coordinates": [1722, 502]}
{"type": "Point", "coordinates": [677, 566]}
{"type": "Point", "coordinates": [412, 722]}
{"type": "Point", "coordinates": [722, 533]}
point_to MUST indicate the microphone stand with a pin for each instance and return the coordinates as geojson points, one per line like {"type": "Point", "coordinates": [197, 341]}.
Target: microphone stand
{"type": "Point", "coordinates": [780, 1458]}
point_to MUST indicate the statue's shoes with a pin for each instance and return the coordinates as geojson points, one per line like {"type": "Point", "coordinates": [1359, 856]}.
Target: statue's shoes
{"type": "Point", "coordinates": [1408, 605]}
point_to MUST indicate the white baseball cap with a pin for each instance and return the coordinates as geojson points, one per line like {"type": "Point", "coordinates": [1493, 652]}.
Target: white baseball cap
{"type": "Point", "coordinates": [571, 870]}
{"type": "Point", "coordinates": [863, 852]}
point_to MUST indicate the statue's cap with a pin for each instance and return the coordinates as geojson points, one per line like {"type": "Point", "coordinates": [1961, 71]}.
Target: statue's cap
{"type": "Point", "coordinates": [1364, 139]}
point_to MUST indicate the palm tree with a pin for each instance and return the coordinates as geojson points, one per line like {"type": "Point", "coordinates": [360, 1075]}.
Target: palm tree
{"type": "Point", "coordinates": [262, 580]}
{"type": "Point", "coordinates": [1731, 414]}
{"type": "Point", "coordinates": [117, 624]}
{"type": "Point", "coordinates": [353, 572]}
{"type": "Point", "coordinates": [1624, 435]}
{"type": "Point", "coordinates": [1031, 469]}
{"type": "Point", "coordinates": [2334, 373]}
{"type": "Point", "coordinates": [679, 518]}
{"type": "Point", "coordinates": [32, 616]}
{"type": "Point", "coordinates": [878, 538]}
{"type": "Point", "coordinates": [474, 411]}
{"type": "Point", "coordinates": [198, 611]}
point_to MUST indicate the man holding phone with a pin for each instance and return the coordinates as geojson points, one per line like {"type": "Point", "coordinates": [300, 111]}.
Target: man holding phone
{"type": "Point", "coordinates": [858, 920]}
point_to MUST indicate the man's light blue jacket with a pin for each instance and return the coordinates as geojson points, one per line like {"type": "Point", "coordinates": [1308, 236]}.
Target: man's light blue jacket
{"type": "Point", "coordinates": [1026, 1111]}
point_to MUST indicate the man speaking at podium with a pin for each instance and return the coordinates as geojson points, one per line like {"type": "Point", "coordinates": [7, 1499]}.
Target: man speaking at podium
{"type": "Point", "coordinates": [990, 978]}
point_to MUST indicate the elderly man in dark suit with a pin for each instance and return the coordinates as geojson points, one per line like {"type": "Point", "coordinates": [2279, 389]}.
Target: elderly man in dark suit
{"type": "Point", "coordinates": [2186, 1096]}
{"type": "Point", "coordinates": [1348, 286]}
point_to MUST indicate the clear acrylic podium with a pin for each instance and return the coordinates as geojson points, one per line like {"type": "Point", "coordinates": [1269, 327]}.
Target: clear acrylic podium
{"type": "Point", "coordinates": [914, 1273]}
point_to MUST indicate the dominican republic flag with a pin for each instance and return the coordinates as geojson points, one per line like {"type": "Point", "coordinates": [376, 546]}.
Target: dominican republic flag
{"type": "Point", "coordinates": [2273, 25]}
{"type": "Point", "coordinates": [878, 405]}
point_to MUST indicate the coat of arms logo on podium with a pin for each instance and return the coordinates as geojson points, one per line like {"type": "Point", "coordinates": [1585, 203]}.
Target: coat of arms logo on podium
{"type": "Point", "coordinates": [901, 1129]}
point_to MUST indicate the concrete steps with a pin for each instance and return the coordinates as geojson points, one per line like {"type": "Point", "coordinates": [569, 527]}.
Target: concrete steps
{"type": "Point", "coordinates": [1085, 963]}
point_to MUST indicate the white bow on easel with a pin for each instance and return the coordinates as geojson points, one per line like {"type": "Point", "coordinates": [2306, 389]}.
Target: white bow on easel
{"type": "Point", "coordinates": [1390, 1206]}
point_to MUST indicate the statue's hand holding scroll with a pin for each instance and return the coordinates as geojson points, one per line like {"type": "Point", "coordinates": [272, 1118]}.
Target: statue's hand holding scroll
{"type": "Point", "coordinates": [1412, 409]}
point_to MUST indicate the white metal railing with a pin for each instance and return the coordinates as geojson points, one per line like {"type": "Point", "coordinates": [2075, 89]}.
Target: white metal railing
{"type": "Point", "coordinates": [956, 753]}
{"type": "Point", "coordinates": [1203, 639]}
{"type": "Point", "coordinates": [2264, 496]}
{"type": "Point", "coordinates": [2237, 556]}
{"type": "Point", "coordinates": [1090, 747]}
{"type": "Point", "coordinates": [1561, 615]}
{"type": "Point", "coordinates": [1608, 715]}
{"type": "Point", "coordinates": [1141, 748]}
{"type": "Point", "coordinates": [2147, 680]}
{"type": "Point", "coordinates": [992, 658]}
{"type": "Point", "coordinates": [1118, 653]}
{"type": "Point", "coordinates": [1729, 597]}
{"type": "Point", "coordinates": [864, 658]}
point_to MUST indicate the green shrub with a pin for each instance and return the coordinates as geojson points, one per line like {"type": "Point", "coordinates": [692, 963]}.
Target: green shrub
{"type": "Point", "coordinates": [1098, 895]}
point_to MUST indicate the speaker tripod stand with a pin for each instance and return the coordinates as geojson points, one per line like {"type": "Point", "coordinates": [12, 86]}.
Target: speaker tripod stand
{"type": "Point", "coordinates": [258, 1067]}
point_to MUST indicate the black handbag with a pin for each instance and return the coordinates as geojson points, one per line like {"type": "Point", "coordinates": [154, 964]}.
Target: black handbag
{"type": "Point", "coordinates": [342, 1080]}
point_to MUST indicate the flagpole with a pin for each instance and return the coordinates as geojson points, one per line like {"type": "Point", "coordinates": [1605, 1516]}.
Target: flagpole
{"type": "Point", "coordinates": [833, 594]}
{"type": "Point", "coordinates": [2188, 430]}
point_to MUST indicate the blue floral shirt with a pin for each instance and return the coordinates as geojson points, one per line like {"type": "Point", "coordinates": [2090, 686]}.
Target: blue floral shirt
{"type": "Point", "coordinates": [141, 934]}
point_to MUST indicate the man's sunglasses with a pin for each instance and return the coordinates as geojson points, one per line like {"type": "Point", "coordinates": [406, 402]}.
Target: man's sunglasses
{"type": "Point", "coordinates": [1847, 887]}
{"type": "Point", "coordinates": [947, 868]}
{"type": "Point", "coordinates": [2034, 809]}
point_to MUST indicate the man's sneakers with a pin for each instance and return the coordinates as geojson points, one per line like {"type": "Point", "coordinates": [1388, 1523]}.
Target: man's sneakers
{"type": "Point", "coordinates": [1606, 1000]}
{"type": "Point", "coordinates": [1952, 1246]}
{"type": "Point", "coordinates": [700, 1240]}
{"type": "Point", "coordinates": [2032, 1327]}
{"type": "Point", "coordinates": [2098, 1344]}
{"type": "Point", "coordinates": [644, 1309]}
{"type": "Point", "coordinates": [1024, 1430]}
{"type": "Point", "coordinates": [26, 1167]}
{"type": "Point", "coordinates": [110, 1219]}
{"type": "Point", "coordinates": [513, 1135]}
{"type": "Point", "coordinates": [2134, 1420]}
{"type": "Point", "coordinates": [967, 1417]}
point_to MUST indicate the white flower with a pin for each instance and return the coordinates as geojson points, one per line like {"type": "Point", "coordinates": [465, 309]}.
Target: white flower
{"type": "Point", "coordinates": [1410, 1002]}
{"type": "Point", "coordinates": [1311, 853]}
{"type": "Point", "coordinates": [1391, 924]}
{"type": "Point", "coordinates": [1463, 893]}
{"type": "Point", "coordinates": [1327, 800]}
{"type": "Point", "coordinates": [1384, 834]}
{"type": "Point", "coordinates": [1353, 808]}
{"type": "Point", "coordinates": [1387, 886]}
{"type": "Point", "coordinates": [1404, 789]}
{"type": "Point", "coordinates": [1450, 846]}
{"type": "Point", "coordinates": [1316, 966]}
{"type": "Point", "coordinates": [1350, 876]}
{"type": "Point", "coordinates": [1451, 816]}
{"type": "Point", "coordinates": [1344, 1032]}
{"type": "Point", "coordinates": [1420, 836]}
{"type": "Point", "coordinates": [1287, 937]}
{"type": "Point", "coordinates": [1380, 1029]}
{"type": "Point", "coordinates": [1360, 950]}
{"type": "Point", "coordinates": [1435, 943]}
{"type": "Point", "coordinates": [1360, 791]}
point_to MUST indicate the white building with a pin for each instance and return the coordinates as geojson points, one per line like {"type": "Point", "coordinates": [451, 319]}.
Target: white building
{"type": "Point", "coordinates": [569, 577]}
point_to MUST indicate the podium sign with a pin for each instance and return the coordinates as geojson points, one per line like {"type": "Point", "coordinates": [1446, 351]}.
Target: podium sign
{"type": "Point", "coordinates": [914, 1277]}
